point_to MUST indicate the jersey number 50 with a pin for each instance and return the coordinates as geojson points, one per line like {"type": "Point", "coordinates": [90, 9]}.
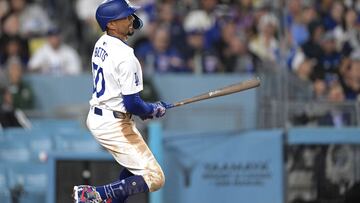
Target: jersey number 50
{"type": "Point", "coordinates": [99, 75]}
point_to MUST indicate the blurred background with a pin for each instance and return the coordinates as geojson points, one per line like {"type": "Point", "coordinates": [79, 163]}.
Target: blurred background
{"type": "Point", "coordinates": [295, 139]}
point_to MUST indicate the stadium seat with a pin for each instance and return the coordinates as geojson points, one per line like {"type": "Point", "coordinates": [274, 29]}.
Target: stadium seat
{"type": "Point", "coordinates": [16, 131]}
{"type": "Point", "coordinates": [40, 146]}
{"type": "Point", "coordinates": [14, 151]}
{"type": "Point", "coordinates": [24, 133]}
{"type": "Point", "coordinates": [1, 132]}
{"type": "Point", "coordinates": [36, 142]}
{"type": "Point", "coordinates": [39, 143]}
{"type": "Point", "coordinates": [2, 135]}
{"type": "Point", "coordinates": [4, 190]}
{"type": "Point", "coordinates": [5, 196]}
{"type": "Point", "coordinates": [76, 140]}
{"type": "Point", "coordinates": [55, 124]}
{"type": "Point", "coordinates": [30, 180]}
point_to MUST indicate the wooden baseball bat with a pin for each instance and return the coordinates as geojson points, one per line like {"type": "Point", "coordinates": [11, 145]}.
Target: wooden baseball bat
{"type": "Point", "coordinates": [238, 87]}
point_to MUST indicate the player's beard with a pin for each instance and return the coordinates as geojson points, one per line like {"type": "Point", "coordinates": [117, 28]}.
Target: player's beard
{"type": "Point", "coordinates": [130, 33]}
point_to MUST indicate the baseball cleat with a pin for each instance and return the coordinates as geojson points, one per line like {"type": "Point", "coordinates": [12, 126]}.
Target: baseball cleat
{"type": "Point", "coordinates": [86, 194]}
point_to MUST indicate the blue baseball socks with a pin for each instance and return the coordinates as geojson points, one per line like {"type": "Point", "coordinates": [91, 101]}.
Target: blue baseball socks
{"type": "Point", "coordinates": [120, 190]}
{"type": "Point", "coordinates": [125, 173]}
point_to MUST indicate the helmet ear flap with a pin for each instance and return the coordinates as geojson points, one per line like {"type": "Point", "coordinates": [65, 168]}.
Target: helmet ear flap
{"type": "Point", "coordinates": [137, 23]}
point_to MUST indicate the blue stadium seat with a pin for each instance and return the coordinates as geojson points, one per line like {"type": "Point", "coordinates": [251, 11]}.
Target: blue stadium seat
{"type": "Point", "coordinates": [40, 146]}
{"type": "Point", "coordinates": [55, 124]}
{"type": "Point", "coordinates": [36, 142]}
{"type": "Point", "coordinates": [31, 178]}
{"type": "Point", "coordinates": [14, 151]}
{"type": "Point", "coordinates": [39, 143]}
{"type": "Point", "coordinates": [1, 133]}
{"type": "Point", "coordinates": [4, 189]}
{"type": "Point", "coordinates": [15, 131]}
{"type": "Point", "coordinates": [5, 196]}
{"type": "Point", "coordinates": [77, 140]}
{"type": "Point", "coordinates": [24, 133]}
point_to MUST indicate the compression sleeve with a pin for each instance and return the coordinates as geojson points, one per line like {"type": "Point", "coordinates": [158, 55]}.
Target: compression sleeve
{"type": "Point", "coordinates": [135, 105]}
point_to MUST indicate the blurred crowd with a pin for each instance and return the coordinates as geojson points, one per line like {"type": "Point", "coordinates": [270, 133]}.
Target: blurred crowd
{"type": "Point", "coordinates": [316, 42]}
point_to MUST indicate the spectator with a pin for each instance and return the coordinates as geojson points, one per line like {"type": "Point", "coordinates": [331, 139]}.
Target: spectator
{"type": "Point", "coordinates": [4, 8]}
{"type": "Point", "coordinates": [265, 45]}
{"type": "Point", "coordinates": [334, 17]}
{"type": "Point", "coordinates": [320, 89]}
{"type": "Point", "coordinates": [240, 58]}
{"type": "Point", "coordinates": [244, 18]}
{"type": "Point", "coordinates": [335, 116]}
{"type": "Point", "coordinates": [350, 80]}
{"type": "Point", "coordinates": [323, 7]}
{"type": "Point", "coordinates": [329, 61]}
{"type": "Point", "coordinates": [167, 16]}
{"type": "Point", "coordinates": [9, 116]}
{"type": "Point", "coordinates": [293, 11]}
{"type": "Point", "coordinates": [55, 57]}
{"type": "Point", "coordinates": [300, 84]}
{"type": "Point", "coordinates": [10, 24]}
{"type": "Point", "coordinates": [213, 33]}
{"type": "Point", "coordinates": [85, 10]}
{"type": "Point", "coordinates": [205, 19]}
{"type": "Point", "coordinates": [353, 30]}
{"type": "Point", "coordinates": [11, 43]}
{"type": "Point", "coordinates": [298, 28]}
{"type": "Point", "coordinates": [233, 51]}
{"type": "Point", "coordinates": [311, 48]}
{"type": "Point", "coordinates": [88, 29]}
{"type": "Point", "coordinates": [331, 113]}
{"type": "Point", "coordinates": [3, 78]}
{"type": "Point", "coordinates": [159, 55]}
{"type": "Point", "coordinates": [33, 20]}
{"type": "Point", "coordinates": [21, 92]}
{"type": "Point", "coordinates": [199, 58]}
{"type": "Point", "coordinates": [14, 47]}
{"type": "Point", "coordinates": [346, 32]}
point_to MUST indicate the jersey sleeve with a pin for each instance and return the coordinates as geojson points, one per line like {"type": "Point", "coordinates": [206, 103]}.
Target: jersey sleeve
{"type": "Point", "coordinates": [130, 79]}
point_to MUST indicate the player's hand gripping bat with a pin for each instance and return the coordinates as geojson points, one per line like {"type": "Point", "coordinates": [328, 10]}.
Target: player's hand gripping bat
{"type": "Point", "coordinates": [238, 87]}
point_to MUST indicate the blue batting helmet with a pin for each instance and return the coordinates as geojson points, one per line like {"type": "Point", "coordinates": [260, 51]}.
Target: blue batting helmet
{"type": "Point", "coordinates": [116, 9]}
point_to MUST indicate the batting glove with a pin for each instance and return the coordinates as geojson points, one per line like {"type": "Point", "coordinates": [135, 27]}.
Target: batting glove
{"type": "Point", "coordinates": [159, 109]}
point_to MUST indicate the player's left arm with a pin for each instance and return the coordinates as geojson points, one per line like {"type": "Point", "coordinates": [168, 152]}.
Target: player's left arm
{"type": "Point", "coordinates": [135, 105]}
{"type": "Point", "coordinates": [131, 85]}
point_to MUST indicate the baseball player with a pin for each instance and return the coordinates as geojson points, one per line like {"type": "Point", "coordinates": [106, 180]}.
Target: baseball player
{"type": "Point", "coordinates": [117, 78]}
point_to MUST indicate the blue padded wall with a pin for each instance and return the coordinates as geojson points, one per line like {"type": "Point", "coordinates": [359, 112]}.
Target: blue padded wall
{"type": "Point", "coordinates": [232, 112]}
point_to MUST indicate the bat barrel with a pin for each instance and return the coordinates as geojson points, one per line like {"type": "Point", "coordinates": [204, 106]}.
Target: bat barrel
{"type": "Point", "coordinates": [252, 83]}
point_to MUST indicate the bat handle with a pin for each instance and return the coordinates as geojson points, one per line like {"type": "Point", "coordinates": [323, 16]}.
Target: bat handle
{"type": "Point", "coordinates": [169, 106]}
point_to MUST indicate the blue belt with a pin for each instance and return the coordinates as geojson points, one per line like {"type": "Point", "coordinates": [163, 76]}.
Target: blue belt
{"type": "Point", "coordinates": [116, 114]}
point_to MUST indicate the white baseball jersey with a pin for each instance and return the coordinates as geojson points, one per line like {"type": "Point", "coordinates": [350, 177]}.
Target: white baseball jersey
{"type": "Point", "coordinates": [116, 72]}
